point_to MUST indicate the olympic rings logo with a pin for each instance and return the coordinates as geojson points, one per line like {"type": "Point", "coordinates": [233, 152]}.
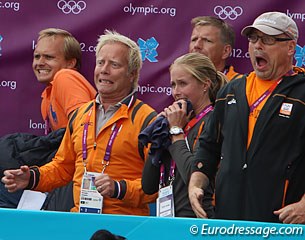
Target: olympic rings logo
{"type": "Point", "coordinates": [71, 6]}
{"type": "Point", "coordinates": [228, 12]}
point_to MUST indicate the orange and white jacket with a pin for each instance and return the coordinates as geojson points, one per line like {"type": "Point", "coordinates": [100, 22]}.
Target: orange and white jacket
{"type": "Point", "coordinates": [126, 160]}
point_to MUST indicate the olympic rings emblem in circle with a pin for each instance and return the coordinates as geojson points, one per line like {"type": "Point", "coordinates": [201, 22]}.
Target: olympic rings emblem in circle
{"type": "Point", "coordinates": [71, 6]}
{"type": "Point", "coordinates": [228, 12]}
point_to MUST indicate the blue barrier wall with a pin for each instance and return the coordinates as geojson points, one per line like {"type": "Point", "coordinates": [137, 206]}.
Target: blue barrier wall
{"type": "Point", "coordinates": [23, 224]}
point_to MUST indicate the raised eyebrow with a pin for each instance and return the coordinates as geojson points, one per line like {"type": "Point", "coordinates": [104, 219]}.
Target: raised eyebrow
{"type": "Point", "coordinates": [115, 62]}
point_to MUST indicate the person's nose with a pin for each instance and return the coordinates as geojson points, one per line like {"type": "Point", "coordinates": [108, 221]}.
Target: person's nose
{"type": "Point", "coordinates": [104, 69]}
{"type": "Point", "coordinates": [198, 44]}
{"type": "Point", "coordinates": [258, 44]}
{"type": "Point", "coordinates": [40, 61]}
{"type": "Point", "coordinates": [175, 91]}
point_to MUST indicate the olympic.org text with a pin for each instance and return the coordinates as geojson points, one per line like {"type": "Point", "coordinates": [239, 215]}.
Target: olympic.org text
{"type": "Point", "coordinates": [265, 232]}
{"type": "Point", "coordinates": [150, 10]}
{"type": "Point", "coordinates": [9, 84]}
{"type": "Point", "coordinates": [296, 15]}
{"type": "Point", "coordinates": [10, 5]}
{"type": "Point", "coordinates": [152, 89]}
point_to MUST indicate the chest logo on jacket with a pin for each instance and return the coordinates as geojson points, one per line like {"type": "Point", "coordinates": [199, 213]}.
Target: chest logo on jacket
{"type": "Point", "coordinates": [53, 114]}
{"type": "Point", "coordinates": [232, 101]}
{"type": "Point", "coordinates": [286, 110]}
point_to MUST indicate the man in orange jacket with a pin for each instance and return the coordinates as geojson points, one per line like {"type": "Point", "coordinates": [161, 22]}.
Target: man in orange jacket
{"type": "Point", "coordinates": [56, 64]}
{"type": "Point", "coordinates": [103, 147]}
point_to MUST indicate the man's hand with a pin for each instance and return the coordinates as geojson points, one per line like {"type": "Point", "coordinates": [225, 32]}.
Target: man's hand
{"type": "Point", "coordinates": [105, 185]}
{"type": "Point", "coordinates": [197, 182]}
{"type": "Point", "coordinates": [16, 179]}
{"type": "Point", "coordinates": [195, 195]}
{"type": "Point", "coordinates": [293, 213]}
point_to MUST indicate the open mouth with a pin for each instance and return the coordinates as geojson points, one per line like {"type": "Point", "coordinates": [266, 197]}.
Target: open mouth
{"type": "Point", "coordinates": [105, 81]}
{"type": "Point", "coordinates": [261, 62]}
{"type": "Point", "coordinates": [43, 71]}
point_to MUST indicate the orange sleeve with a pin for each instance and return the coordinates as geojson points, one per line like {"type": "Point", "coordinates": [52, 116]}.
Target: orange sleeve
{"type": "Point", "coordinates": [71, 90]}
{"type": "Point", "coordinates": [135, 195]}
{"type": "Point", "coordinates": [61, 169]}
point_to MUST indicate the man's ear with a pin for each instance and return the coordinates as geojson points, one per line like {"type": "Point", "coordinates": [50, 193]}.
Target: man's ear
{"type": "Point", "coordinates": [132, 76]}
{"type": "Point", "coordinates": [291, 47]}
{"type": "Point", "coordinates": [227, 49]}
{"type": "Point", "coordinates": [71, 63]}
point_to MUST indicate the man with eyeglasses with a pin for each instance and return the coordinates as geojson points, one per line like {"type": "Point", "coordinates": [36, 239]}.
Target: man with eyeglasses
{"type": "Point", "coordinates": [255, 137]}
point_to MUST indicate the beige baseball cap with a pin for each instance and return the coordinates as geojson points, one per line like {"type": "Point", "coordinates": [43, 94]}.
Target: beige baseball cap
{"type": "Point", "coordinates": [273, 23]}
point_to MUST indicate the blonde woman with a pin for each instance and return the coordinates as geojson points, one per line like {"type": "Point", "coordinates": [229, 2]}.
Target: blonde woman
{"type": "Point", "coordinates": [193, 78]}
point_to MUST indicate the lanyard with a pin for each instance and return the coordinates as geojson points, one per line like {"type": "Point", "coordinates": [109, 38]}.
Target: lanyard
{"type": "Point", "coordinates": [268, 92]}
{"type": "Point", "coordinates": [264, 95]}
{"type": "Point", "coordinates": [187, 129]}
{"type": "Point", "coordinates": [114, 131]}
{"type": "Point", "coordinates": [85, 135]}
{"type": "Point", "coordinates": [198, 117]}
{"type": "Point", "coordinates": [171, 176]}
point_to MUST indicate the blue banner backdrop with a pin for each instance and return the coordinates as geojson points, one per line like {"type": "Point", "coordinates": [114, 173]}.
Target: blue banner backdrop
{"type": "Point", "coordinates": [160, 27]}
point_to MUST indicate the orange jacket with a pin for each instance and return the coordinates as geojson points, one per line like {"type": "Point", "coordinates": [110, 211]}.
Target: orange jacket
{"type": "Point", "coordinates": [231, 74]}
{"type": "Point", "coordinates": [68, 91]}
{"type": "Point", "coordinates": [125, 161]}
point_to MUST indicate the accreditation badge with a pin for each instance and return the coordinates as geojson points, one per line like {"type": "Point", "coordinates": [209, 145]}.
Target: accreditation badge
{"type": "Point", "coordinates": [165, 202]}
{"type": "Point", "coordinates": [91, 201]}
{"type": "Point", "coordinates": [286, 109]}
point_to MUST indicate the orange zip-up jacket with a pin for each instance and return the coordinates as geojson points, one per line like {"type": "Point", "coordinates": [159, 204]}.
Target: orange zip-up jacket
{"type": "Point", "coordinates": [68, 91]}
{"type": "Point", "coordinates": [125, 163]}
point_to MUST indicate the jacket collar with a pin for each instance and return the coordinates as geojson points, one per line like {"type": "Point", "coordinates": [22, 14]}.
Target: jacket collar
{"type": "Point", "coordinates": [129, 100]}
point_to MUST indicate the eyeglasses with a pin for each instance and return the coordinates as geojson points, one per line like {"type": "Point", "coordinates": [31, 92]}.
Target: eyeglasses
{"type": "Point", "coordinates": [268, 40]}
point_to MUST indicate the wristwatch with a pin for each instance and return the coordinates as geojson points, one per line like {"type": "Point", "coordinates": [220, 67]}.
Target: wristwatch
{"type": "Point", "coordinates": [174, 130]}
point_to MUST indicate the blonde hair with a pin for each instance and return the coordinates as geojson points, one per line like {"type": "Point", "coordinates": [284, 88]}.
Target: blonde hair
{"type": "Point", "coordinates": [71, 46]}
{"type": "Point", "coordinates": [202, 68]}
{"type": "Point", "coordinates": [227, 33]}
{"type": "Point", "coordinates": [134, 54]}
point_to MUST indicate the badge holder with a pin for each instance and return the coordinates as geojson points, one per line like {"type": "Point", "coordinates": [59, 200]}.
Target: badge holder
{"type": "Point", "coordinates": [165, 202]}
{"type": "Point", "coordinates": [91, 201]}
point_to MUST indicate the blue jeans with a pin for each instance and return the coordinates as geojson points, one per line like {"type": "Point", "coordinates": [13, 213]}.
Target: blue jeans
{"type": "Point", "coordinates": [9, 200]}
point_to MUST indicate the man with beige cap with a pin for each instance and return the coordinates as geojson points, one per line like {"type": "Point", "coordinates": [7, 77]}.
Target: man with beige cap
{"type": "Point", "coordinates": [256, 136]}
